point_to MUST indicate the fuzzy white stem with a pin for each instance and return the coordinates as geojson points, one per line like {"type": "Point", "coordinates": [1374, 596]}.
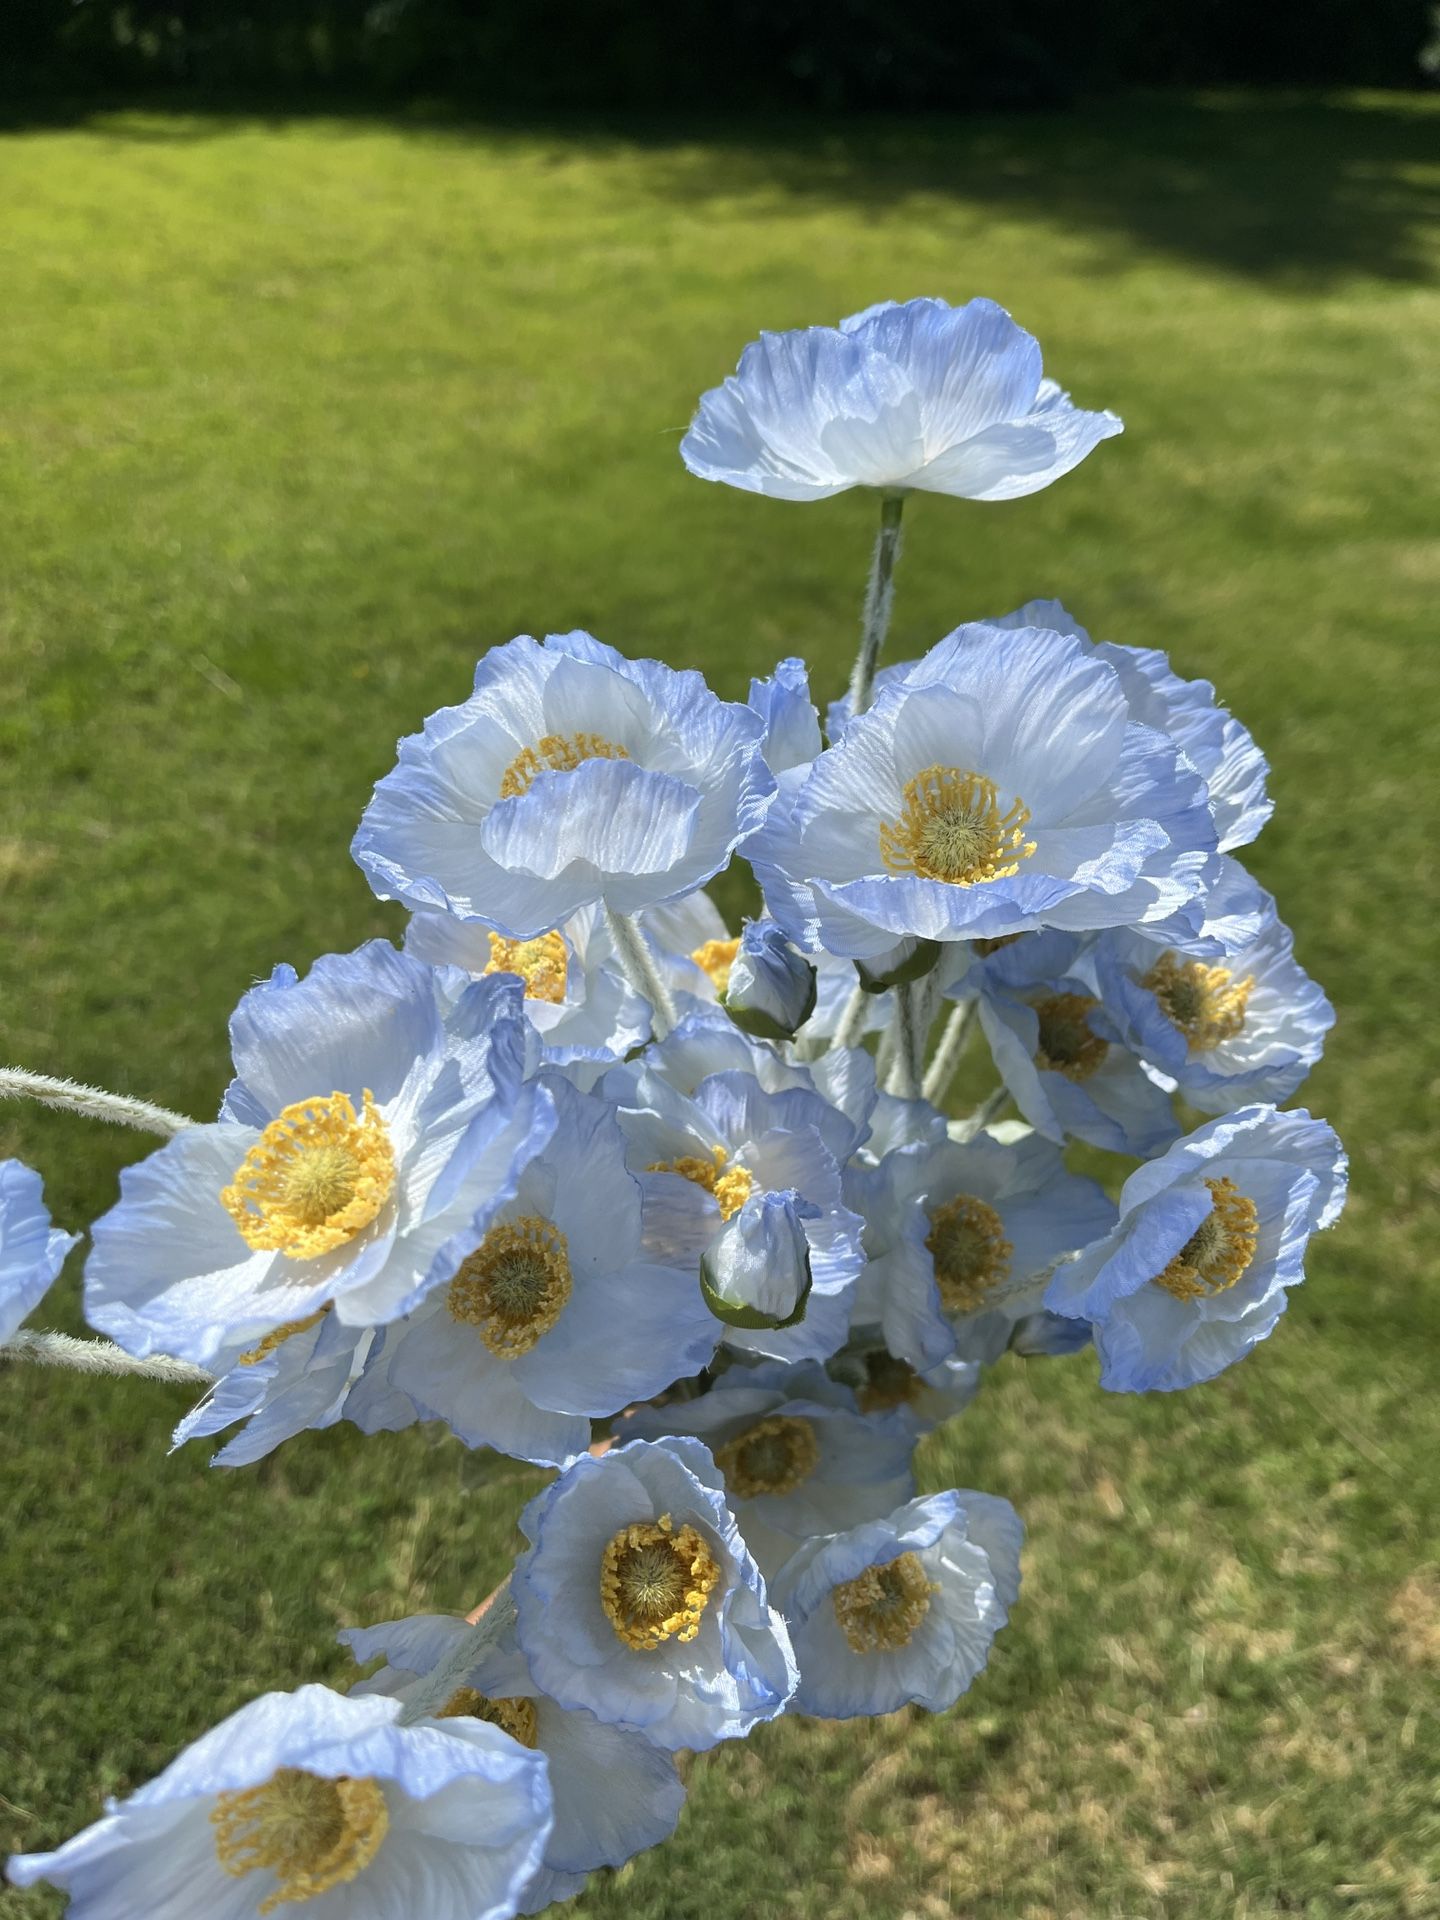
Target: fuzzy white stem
{"type": "Point", "coordinates": [928, 995]}
{"type": "Point", "coordinates": [849, 1030]}
{"type": "Point", "coordinates": [909, 1039]}
{"type": "Point", "coordinates": [988, 1108]}
{"type": "Point", "coordinates": [94, 1102]}
{"type": "Point", "coordinates": [942, 1068]}
{"type": "Point", "coordinates": [637, 963]}
{"type": "Point", "coordinates": [879, 599]}
{"type": "Point", "coordinates": [851, 1025]}
{"type": "Point", "coordinates": [98, 1356]}
{"type": "Point", "coordinates": [427, 1696]}
{"type": "Point", "coordinates": [885, 1054]}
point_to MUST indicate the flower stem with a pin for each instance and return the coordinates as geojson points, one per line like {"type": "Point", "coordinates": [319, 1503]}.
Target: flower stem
{"type": "Point", "coordinates": [98, 1356]}
{"type": "Point", "coordinates": [948, 1054]}
{"type": "Point", "coordinates": [94, 1102]}
{"type": "Point", "coordinates": [851, 1024]}
{"type": "Point", "coordinates": [848, 1031]}
{"type": "Point", "coordinates": [909, 1039]}
{"type": "Point", "coordinates": [879, 599]}
{"type": "Point", "coordinates": [486, 1626]}
{"type": "Point", "coordinates": [637, 963]}
{"type": "Point", "coordinates": [989, 1107]}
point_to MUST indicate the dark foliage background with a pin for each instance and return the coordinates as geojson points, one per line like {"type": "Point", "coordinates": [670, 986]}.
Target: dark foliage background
{"type": "Point", "coordinates": [826, 54]}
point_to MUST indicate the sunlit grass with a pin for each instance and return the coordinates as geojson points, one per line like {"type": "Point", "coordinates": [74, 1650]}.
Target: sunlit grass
{"type": "Point", "coordinates": [295, 419]}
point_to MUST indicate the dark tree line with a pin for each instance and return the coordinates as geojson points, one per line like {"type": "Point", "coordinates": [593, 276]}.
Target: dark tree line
{"type": "Point", "coordinates": [768, 54]}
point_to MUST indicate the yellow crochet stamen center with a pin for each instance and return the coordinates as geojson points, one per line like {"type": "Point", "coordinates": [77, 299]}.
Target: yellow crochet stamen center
{"type": "Point", "coordinates": [277, 1337]}
{"type": "Point", "coordinates": [972, 1255]}
{"type": "Point", "coordinates": [514, 1286]}
{"type": "Point", "coordinates": [313, 1833]}
{"type": "Point", "coordinates": [731, 1186]}
{"type": "Point", "coordinates": [654, 1583]}
{"type": "Point", "coordinates": [774, 1456]}
{"type": "Point", "coordinates": [716, 958]}
{"type": "Point", "coordinates": [556, 753]}
{"type": "Point", "coordinates": [1220, 1249]}
{"type": "Point", "coordinates": [888, 1383]}
{"type": "Point", "coordinates": [952, 829]}
{"type": "Point", "coordinates": [1207, 1004]}
{"type": "Point", "coordinates": [313, 1179]}
{"type": "Point", "coordinates": [880, 1608]}
{"type": "Point", "coordinates": [1068, 1043]}
{"type": "Point", "coordinates": [541, 963]}
{"type": "Point", "coordinates": [513, 1714]}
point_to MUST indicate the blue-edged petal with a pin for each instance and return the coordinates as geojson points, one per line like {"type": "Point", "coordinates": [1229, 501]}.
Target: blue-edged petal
{"type": "Point", "coordinates": [1285, 1170]}
{"type": "Point", "coordinates": [32, 1252]}
{"type": "Point", "coordinates": [736, 1671]}
{"type": "Point", "coordinates": [920, 394]}
{"type": "Point", "coordinates": [468, 1815]}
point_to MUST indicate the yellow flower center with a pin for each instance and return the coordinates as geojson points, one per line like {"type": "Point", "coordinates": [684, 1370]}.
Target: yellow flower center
{"type": "Point", "coordinates": [731, 1186]}
{"type": "Point", "coordinates": [654, 1583]}
{"type": "Point", "coordinates": [313, 1833]}
{"type": "Point", "coordinates": [888, 1383]}
{"type": "Point", "coordinates": [951, 828]}
{"type": "Point", "coordinates": [278, 1336]}
{"type": "Point", "coordinates": [513, 1714]}
{"type": "Point", "coordinates": [716, 958]}
{"type": "Point", "coordinates": [556, 753]}
{"type": "Point", "coordinates": [1068, 1043]}
{"type": "Point", "coordinates": [774, 1456]}
{"type": "Point", "coordinates": [1207, 1004]}
{"type": "Point", "coordinates": [881, 1608]}
{"type": "Point", "coordinates": [972, 1255]}
{"type": "Point", "coordinates": [541, 963]}
{"type": "Point", "coordinates": [1219, 1250]}
{"type": "Point", "coordinates": [314, 1178]}
{"type": "Point", "coordinates": [514, 1286]}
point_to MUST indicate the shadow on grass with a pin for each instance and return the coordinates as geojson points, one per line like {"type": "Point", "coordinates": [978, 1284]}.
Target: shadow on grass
{"type": "Point", "coordinates": [1303, 188]}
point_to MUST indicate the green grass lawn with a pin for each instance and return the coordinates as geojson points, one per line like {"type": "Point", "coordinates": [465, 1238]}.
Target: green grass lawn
{"type": "Point", "coordinates": [299, 416]}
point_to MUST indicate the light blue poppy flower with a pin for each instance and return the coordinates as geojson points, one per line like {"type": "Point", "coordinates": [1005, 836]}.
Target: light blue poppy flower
{"type": "Point", "coordinates": [792, 724]}
{"type": "Point", "coordinates": [797, 1455]}
{"type": "Point", "coordinates": [1214, 742]}
{"type": "Point", "coordinates": [961, 1239]}
{"type": "Point", "coordinates": [639, 1601]}
{"type": "Point", "coordinates": [710, 1142]}
{"type": "Point", "coordinates": [571, 775]}
{"type": "Point", "coordinates": [902, 1609]}
{"type": "Point", "coordinates": [314, 1797]}
{"type": "Point", "coordinates": [920, 395]}
{"type": "Point", "coordinates": [1000, 787]}
{"type": "Point", "coordinates": [1059, 1053]}
{"type": "Point", "coordinates": [614, 1793]}
{"type": "Point", "coordinates": [584, 1012]}
{"type": "Point", "coordinates": [923, 1398]}
{"type": "Point", "coordinates": [32, 1252]}
{"type": "Point", "coordinates": [301, 1381]}
{"type": "Point", "coordinates": [564, 1312]}
{"type": "Point", "coordinates": [1209, 1239]}
{"type": "Point", "coordinates": [358, 1153]}
{"type": "Point", "coordinates": [1225, 1033]}
{"type": "Point", "coordinates": [706, 1043]}
{"type": "Point", "coordinates": [771, 988]}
